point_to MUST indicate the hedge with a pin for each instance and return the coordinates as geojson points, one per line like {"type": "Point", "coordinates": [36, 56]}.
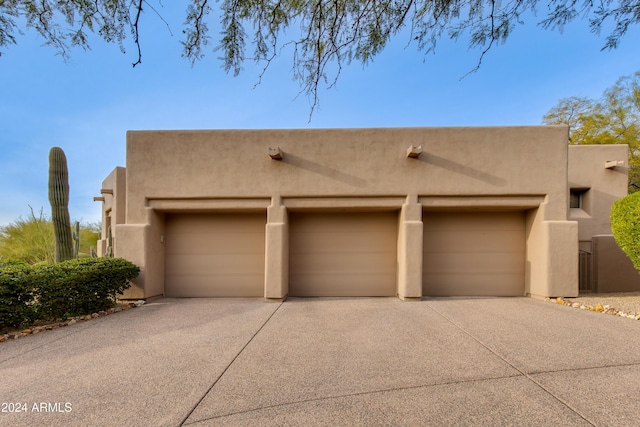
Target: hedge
{"type": "Point", "coordinates": [16, 297]}
{"type": "Point", "coordinates": [58, 291]}
{"type": "Point", "coordinates": [625, 225]}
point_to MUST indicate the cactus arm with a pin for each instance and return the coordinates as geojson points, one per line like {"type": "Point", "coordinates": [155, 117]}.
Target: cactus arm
{"type": "Point", "coordinates": [75, 235]}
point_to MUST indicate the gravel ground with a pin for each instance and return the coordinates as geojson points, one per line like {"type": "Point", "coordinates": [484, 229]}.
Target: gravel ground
{"type": "Point", "coordinates": [621, 301]}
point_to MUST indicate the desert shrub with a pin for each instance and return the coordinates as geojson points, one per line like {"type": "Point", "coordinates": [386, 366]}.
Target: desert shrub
{"type": "Point", "coordinates": [31, 239]}
{"type": "Point", "coordinates": [625, 224]}
{"type": "Point", "coordinates": [16, 298]}
{"type": "Point", "coordinates": [57, 291]}
{"type": "Point", "coordinates": [81, 286]}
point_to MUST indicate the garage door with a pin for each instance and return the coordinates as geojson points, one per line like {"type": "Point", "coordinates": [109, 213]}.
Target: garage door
{"type": "Point", "coordinates": [214, 255]}
{"type": "Point", "coordinates": [343, 254]}
{"type": "Point", "coordinates": [479, 253]}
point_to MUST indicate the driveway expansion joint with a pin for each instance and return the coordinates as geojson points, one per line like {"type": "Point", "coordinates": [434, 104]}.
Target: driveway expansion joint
{"type": "Point", "coordinates": [584, 368]}
{"type": "Point", "coordinates": [346, 395]}
{"type": "Point", "coordinates": [523, 373]}
{"type": "Point", "coordinates": [229, 364]}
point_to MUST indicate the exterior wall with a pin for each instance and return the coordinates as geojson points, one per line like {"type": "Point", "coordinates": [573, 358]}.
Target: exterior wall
{"type": "Point", "coordinates": [613, 271]}
{"type": "Point", "coordinates": [610, 270]}
{"type": "Point", "coordinates": [113, 193]}
{"type": "Point", "coordinates": [205, 165]}
{"type": "Point", "coordinates": [515, 168]}
{"type": "Point", "coordinates": [604, 186]}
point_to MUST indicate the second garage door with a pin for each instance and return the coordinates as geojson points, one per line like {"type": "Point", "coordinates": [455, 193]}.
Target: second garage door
{"type": "Point", "coordinates": [474, 253]}
{"type": "Point", "coordinates": [343, 254]}
{"type": "Point", "coordinates": [214, 255]}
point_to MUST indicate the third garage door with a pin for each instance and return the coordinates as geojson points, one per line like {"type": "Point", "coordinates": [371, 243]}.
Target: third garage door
{"type": "Point", "coordinates": [343, 254]}
{"type": "Point", "coordinates": [474, 253]}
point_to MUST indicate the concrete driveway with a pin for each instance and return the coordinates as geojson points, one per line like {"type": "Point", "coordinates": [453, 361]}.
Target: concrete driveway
{"type": "Point", "coordinates": [361, 361]}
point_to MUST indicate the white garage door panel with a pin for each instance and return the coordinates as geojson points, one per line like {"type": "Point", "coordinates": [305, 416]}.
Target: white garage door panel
{"type": "Point", "coordinates": [336, 254]}
{"type": "Point", "coordinates": [474, 253]}
{"type": "Point", "coordinates": [214, 255]}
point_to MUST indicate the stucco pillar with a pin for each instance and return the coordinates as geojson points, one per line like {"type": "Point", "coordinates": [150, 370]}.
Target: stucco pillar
{"type": "Point", "coordinates": [129, 243]}
{"type": "Point", "coordinates": [410, 235]}
{"type": "Point", "coordinates": [562, 258]}
{"type": "Point", "coordinates": [276, 275]}
{"type": "Point", "coordinates": [142, 244]}
{"type": "Point", "coordinates": [552, 256]}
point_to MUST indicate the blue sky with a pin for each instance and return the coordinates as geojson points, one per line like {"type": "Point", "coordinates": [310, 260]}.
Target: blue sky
{"type": "Point", "coordinates": [86, 105]}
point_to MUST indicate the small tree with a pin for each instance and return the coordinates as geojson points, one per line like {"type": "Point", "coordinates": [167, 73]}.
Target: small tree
{"type": "Point", "coordinates": [625, 224]}
{"type": "Point", "coordinates": [612, 119]}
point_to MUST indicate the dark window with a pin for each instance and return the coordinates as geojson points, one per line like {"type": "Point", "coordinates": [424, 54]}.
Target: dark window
{"type": "Point", "coordinates": [575, 198]}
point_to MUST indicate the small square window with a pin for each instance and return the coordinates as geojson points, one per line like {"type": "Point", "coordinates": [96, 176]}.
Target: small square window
{"type": "Point", "coordinates": [575, 198]}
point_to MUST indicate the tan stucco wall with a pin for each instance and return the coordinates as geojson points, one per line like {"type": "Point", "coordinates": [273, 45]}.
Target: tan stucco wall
{"type": "Point", "coordinates": [605, 186]}
{"type": "Point", "coordinates": [113, 193]}
{"type": "Point", "coordinates": [610, 269]}
{"type": "Point", "coordinates": [516, 168]}
{"type": "Point", "coordinates": [613, 270]}
{"type": "Point", "coordinates": [346, 162]}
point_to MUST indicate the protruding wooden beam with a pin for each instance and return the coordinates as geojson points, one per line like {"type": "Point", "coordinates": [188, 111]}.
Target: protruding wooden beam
{"type": "Point", "coordinates": [413, 152]}
{"type": "Point", "coordinates": [98, 199]}
{"type": "Point", "coordinates": [276, 153]}
{"type": "Point", "coordinates": [610, 164]}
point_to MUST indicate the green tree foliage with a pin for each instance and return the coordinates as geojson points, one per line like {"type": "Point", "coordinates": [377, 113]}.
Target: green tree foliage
{"type": "Point", "coordinates": [612, 119]}
{"type": "Point", "coordinates": [324, 34]}
{"type": "Point", "coordinates": [31, 240]}
{"type": "Point", "coordinates": [625, 224]}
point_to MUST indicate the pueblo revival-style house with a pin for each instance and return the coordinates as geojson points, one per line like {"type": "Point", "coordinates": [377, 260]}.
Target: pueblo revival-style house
{"type": "Point", "coordinates": [407, 212]}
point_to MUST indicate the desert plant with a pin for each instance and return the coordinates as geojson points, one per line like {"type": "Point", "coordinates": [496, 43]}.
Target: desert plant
{"type": "Point", "coordinates": [59, 199]}
{"type": "Point", "coordinates": [81, 286]}
{"type": "Point", "coordinates": [109, 243]}
{"type": "Point", "coordinates": [29, 240]}
{"type": "Point", "coordinates": [75, 235]}
{"type": "Point", "coordinates": [625, 224]}
{"type": "Point", "coordinates": [48, 291]}
{"type": "Point", "coordinates": [16, 298]}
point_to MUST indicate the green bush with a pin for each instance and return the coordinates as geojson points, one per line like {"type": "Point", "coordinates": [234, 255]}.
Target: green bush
{"type": "Point", "coordinates": [16, 299]}
{"type": "Point", "coordinates": [57, 291]}
{"type": "Point", "coordinates": [81, 286]}
{"type": "Point", "coordinates": [625, 224]}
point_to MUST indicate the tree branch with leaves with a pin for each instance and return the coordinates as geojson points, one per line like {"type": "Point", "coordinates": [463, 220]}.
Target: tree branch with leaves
{"type": "Point", "coordinates": [327, 34]}
{"type": "Point", "coordinates": [612, 119]}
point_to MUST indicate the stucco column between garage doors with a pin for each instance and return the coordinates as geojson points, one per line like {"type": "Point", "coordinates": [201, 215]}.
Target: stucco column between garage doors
{"type": "Point", "coordinates": [276, 270]}
{"type": "Point", "coordinates": [410, 242]}
{"type": "Point", "coordinates": [409, 251]}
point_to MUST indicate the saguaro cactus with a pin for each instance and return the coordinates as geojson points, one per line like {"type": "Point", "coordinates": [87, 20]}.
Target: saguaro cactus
{"type": "Point", "coordinates": [109, 243]}
{"type": "Point", "coordinates": [75, 235]}
{"type": "Point", "coordinates": [59, 199]}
